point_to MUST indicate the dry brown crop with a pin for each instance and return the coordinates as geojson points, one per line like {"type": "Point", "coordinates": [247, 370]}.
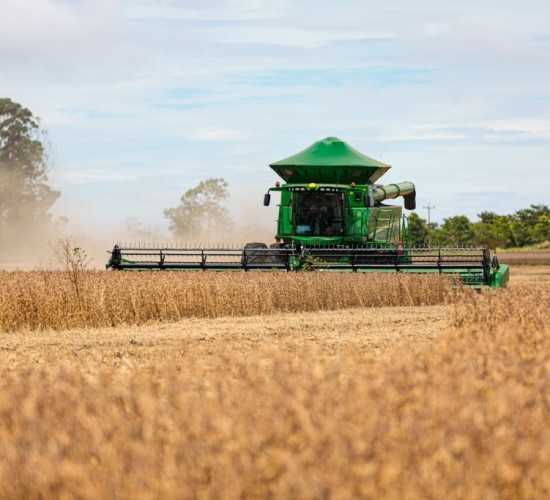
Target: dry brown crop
{"type": "Point", "coordinates": [57, 300]}
{"type": "Point", "coordinates": [466, 416]}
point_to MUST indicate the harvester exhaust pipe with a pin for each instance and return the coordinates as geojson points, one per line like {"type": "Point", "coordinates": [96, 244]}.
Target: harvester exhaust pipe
{"type": "Point", "coordinates": [405, 189]}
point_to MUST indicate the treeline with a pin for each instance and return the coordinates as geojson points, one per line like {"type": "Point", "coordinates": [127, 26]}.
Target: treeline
{"type": "Point", "coordinates": [26, 196]}
{"type": "Point", "coordinates": [525, 227]}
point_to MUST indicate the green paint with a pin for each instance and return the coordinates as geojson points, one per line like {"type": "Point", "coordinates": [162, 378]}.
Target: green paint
{"type": "Point", "coordinates": [330, 160]}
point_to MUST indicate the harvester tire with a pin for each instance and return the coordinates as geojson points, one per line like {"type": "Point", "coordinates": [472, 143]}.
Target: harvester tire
{"type": "Point", "coordinates": [254, 253]}
{"type": "Point", "coordinates": [276, 257]}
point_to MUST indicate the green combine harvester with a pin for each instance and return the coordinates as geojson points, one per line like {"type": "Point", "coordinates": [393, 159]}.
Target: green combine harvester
{"type": "Point", "coordinates": [331, 218]}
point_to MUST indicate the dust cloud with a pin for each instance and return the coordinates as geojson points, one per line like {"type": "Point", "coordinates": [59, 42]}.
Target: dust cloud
{"type": "Point", "coordinates": [31, 245]}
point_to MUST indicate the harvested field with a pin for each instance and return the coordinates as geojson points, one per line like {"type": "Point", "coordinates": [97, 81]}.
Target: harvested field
{"type": "Point", "coordinates": [373, 331]}
{"type": "Point", "coordinates": [525, 257]}
{"type": "Point", "coordinates": [538, 274]}
{"type": "Point", "coordinates": [446, 401]}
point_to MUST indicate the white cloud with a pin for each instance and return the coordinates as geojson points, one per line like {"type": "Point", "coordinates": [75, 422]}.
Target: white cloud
{"type": "Point", "coordinates": [214, 134]}
{"type": "Point", "coordinates": [56, 41]}
{"type": "Point", "coordinates": [304, 37]}
{"type": "Point", "coordinates": [206, 10]}
{"type": "Point", "coordinates": [523, 128]}
{"type": "Point", "coordinates": [29, 25]}
{"type": "Point", "coordinates": [151, 96]}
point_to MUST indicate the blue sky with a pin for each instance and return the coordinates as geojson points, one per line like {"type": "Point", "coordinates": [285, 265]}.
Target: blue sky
{"type": "Point", "coordinates": [143, 99]}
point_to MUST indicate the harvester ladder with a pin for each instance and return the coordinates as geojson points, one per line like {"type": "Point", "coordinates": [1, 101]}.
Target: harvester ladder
{"type": "Point", "coordinates": [359, 224]}
{"type": "Point", "coordinates": [383, 224]}
{"type": "Point", "coordinates": [404, 235]}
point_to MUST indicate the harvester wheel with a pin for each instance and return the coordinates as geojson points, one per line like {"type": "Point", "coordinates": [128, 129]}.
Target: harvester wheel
{"type": "Point", "coordinates": [254, 253]}
{"type": "Point", "coordinates": [276, 257]}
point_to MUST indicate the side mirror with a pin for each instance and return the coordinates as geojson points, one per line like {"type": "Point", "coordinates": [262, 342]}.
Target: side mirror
{"type": "Point", "coordinates": [267, 199]}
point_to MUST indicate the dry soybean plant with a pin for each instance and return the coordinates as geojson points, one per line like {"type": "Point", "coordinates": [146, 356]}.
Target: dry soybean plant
{"type": "Point", "coordinates": [469, 417]}
{"type": "Point", "coordinates": [79, 298]}
{"type": "Point", "coordinates": [72, 259]}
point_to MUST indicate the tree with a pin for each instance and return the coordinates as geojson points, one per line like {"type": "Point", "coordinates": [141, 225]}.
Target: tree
{"type": "Point", "coordinates": [522, 233]}
{"type": "Point", "coordinates": [541, 231]}
{"type": "Point", "coordinates": [418, 231]}
{"type": "Point", "coordinates": [456, 231]}
{"type": "Point", "coordinates": [530, 216]}
{"type": "Point", "coordinates": [493, 230]}
{"type": "Point", "coordinates": [490, 234]}
{"type": "Point", "coordinates": [487, 217]}
{"type": "Point", "coordinates": [200, 215]}
{"type": "Point", "coordinates": [137, 232]}
{"type": "Point", "coordinates": [524, 223]}
{"type": "Point", "coordinates": [25, 196]}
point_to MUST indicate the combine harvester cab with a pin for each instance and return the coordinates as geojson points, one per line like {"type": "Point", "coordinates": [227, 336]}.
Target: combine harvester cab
{"type": "Point", "coordinates": [331, 218]}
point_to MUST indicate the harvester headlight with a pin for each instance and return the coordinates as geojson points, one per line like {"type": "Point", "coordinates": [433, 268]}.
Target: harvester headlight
{"type": "Point", "coordinates": [312, 185]}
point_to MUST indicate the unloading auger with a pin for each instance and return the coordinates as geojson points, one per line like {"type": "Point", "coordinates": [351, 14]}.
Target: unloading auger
{"type": "Point", "coordinates": [331, 218]}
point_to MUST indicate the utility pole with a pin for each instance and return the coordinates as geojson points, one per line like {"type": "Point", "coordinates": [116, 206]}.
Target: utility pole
{"type": "Point", "coordinates": [429, 208]}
